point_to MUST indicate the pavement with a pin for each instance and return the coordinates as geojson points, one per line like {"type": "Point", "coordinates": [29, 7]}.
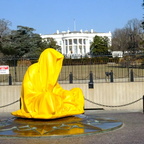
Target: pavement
{"type": "Point", "coordinates": [132, 131]}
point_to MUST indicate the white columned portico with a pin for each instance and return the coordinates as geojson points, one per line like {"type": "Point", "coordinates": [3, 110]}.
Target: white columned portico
{"type": "Point", "coordinates": [75, 43]}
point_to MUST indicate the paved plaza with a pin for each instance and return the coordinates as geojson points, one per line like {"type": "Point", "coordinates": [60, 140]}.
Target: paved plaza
{"type": "Point", "coordinates": [132, 131]}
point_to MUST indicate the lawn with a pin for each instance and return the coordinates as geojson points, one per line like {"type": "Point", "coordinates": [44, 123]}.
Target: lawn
{"type": "Point", "coordinates": [81, 73]}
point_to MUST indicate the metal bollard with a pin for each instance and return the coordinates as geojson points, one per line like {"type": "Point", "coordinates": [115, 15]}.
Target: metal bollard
{"type": "Point", "coordinates": [10, 79]}
{"type": "Point", "coordinates": [20, 103]}
{"type": "Point", "coordinates": [91, 85]}
{"type": "Point", "coordinates": [111, 76]}
{"type": "Point", "coordinates": [131, 76]}
{"type": "Point", "coordinates": [70, 77]}
{"type": "Point", "coordinates": [143, 103]}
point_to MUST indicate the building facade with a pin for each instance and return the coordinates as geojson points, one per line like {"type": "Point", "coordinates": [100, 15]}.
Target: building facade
{"type": "Point", "coordinates": [75, 44]}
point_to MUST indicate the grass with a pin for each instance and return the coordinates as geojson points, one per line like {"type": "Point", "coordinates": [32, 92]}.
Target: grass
{"type": "Point", "coordinates": [81, 73]}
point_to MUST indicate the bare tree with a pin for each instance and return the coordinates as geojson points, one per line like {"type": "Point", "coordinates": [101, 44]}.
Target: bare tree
{"type": "Point", "coordinates": [4, 28]}
{"type": "Point", "coordinates": [128, 38]}
{"type": "Point", "coordinates": [119, 40]}
{"type": "Point", "coordinates": [134, 31]}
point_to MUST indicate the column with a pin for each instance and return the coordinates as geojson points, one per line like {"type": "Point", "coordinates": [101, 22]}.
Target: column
{"type": "Point", "coordinates": [67, 46]}
{"type": "Point", "coordinates": [82, 47]}
{"type": "Point", "coordinates": [87, 46]}
{"type": "Point", "coordinates": [78, 51]}
{"type": "Point", "coordinates": [66, 40]}
{"type": "Point", "coordinates": [72, 45]}
{"type": "Point", "coordinates": [63, 51]}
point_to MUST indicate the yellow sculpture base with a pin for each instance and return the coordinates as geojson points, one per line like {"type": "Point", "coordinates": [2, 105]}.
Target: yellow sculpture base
{"type": "Point", "coordinates": [68, 126]}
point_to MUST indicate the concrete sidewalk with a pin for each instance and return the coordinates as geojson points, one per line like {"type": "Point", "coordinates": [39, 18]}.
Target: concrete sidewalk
{"type": "Point", "coordinates": [132, 131]}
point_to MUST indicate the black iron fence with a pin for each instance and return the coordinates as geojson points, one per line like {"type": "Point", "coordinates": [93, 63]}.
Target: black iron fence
{"type": "Point", "coordinates": [86, 70]}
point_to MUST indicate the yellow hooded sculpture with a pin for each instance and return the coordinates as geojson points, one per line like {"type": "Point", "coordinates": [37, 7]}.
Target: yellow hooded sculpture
{"type": "Point", "coordinates": [41, 95]}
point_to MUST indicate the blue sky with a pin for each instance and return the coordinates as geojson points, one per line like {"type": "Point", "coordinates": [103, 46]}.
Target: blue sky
{"type": "Point", "coordinates": [47, 16]}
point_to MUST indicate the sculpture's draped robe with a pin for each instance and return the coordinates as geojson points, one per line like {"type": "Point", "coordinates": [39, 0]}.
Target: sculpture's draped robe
{"type": "Point", "coordinates": [41, 95]}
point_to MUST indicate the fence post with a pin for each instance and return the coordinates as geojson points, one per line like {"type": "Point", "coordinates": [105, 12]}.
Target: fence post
{"type": "Point", "coordinates": [143, 103]}
{"type": "Point", "coordinates": [70, 77]}
{"type": "Point", "coordinates": [91, 85]}
{"type": "Point", "coordinates": [111, 76]}
{"type": "Point", "coordinates": [10, 79]}
{"type": "Point", "coordinates": [20, 103]}
{"type": "Point", "coordinates": [131, 76]}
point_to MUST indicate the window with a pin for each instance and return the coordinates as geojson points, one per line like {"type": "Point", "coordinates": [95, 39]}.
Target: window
{"type": "Point", "coordinates": [65, 42]}
{"type": "Point", "coordinates": [70, 41]}
{"type": "Point", "coordinates": [75, 41]}
{"type": "Point", "coordinates": [75, 50]}
{"type": "Point", "coordinates": [66, 49]}
{"type": "Point", "coordinates": [60, 42]}
{"type": "Point", "coordinates": [80, 47]}
{"type": "Point", "coordinates": [84, 41]}
{"type": "Point", "coordinates": [80, 41]}
{"type": "Point", "coordinates": [84, 49]}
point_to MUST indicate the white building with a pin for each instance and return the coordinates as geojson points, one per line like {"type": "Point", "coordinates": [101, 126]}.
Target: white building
{"type": "Point", "coordinates": [76, 43]}
{"type": "Point", "coordinates": [117, 54]}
